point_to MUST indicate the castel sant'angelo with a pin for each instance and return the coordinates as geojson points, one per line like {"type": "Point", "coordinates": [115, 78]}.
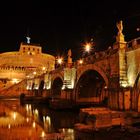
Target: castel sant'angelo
{"type": "Point", "coordinates": [27, 62]}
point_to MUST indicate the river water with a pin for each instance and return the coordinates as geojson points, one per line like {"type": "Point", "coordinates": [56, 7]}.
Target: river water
{"type": "Point", "coordinates": [34, 121]}
{"type": "Point", "coordinates": [38, 122]}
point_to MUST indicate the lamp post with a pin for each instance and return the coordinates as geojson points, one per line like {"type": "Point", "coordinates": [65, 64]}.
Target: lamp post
{"type": "Point", "coordinates": [88, 47]}
{"type": "Point", "coordinates": [80, 61]}
{"type": "Point", "coordinates": [59, 61]}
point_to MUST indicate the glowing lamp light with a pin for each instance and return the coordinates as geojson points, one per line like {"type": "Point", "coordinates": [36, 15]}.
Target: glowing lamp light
{"type": "Point", "coordinates": [87, 47]}
{"type": "Point", "coordinates": [80, 61]}
{"type": "Point", "coordinates": [34, 72]}
{"type": "Point", "coordinates": [43, 68]}
{"type": "Point", "coordinates": [60, 60]}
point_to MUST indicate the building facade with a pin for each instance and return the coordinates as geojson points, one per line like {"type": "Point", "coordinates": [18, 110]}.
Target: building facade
{"type": "Point", "coordinates": [28, 62]}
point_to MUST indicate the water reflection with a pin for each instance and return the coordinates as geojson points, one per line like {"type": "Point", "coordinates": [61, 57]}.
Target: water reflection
{"type": "Point", "coordinates": [53, 121]}
{"type": "Point", "coordinates": [34, 122]}
{"type": "Point", "coordinates": [13, 122]}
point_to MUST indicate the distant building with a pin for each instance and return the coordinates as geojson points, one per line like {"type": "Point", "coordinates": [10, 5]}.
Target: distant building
{"type": "Point", "coordinates": [25, 63]}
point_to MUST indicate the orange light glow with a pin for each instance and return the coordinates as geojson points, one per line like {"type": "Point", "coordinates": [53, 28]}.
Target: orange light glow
{"type": "Point", "coordinates": [34, 72]}
{"type": "Point", "coordinates": [43, 68]}
{"type": "Point", "coordinates": [34, 125]}
{"type": "Point", "coordinates": [80, 61]}
{"type": "Point", "coordinates": [43, 134]}
{"type": "Point", "coordinates": [87, 47]}
{"type": "Point", "coordinates": [60, 60]}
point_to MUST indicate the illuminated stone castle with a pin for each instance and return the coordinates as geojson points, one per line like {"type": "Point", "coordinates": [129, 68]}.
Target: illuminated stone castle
{"type": "Point", "coordinates": [27, 62]}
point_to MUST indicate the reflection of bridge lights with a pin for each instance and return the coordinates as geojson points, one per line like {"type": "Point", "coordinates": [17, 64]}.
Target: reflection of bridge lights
{"type": "Point", "coordinates": [68, 132]}
{"type": "Point", "coordinates": [14, 115]}
{"type": "Point", "coordinates": [36, 112]}
{"type": "Point", "coordinates": [44, 119]}
{"type": "Point", "coordinates": [9, 126]}
{"type": "Point", "coordinates": [27, 119]}
{"type": "Point", "coordinates": [48, 119]}
{"type": "Point", "coordinates": [34, 124]}
{"type": "Point", "coordinates": [27, 107]}
{"type": "Point", "coordinates": [43, 134]}
{"type": "Point", "coordinates": [47, 123]}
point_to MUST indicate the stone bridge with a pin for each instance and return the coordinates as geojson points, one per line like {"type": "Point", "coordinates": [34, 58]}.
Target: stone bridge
{"type": "Point", "coordinates": [109, 77]}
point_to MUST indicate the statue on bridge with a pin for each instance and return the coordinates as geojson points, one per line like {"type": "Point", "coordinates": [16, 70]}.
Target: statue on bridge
{"type": "Point", "coordinates": [120, 27]}
{"type": "Point", "coordinates": [69, 58]}
{"type": "Point", "coordinates": [69, 53]}
{"type": "Point", "coordinates": [120, 36]}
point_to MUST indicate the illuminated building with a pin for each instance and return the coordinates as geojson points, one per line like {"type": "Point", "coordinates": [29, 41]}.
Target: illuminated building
{"type": "Point", "coordinates": [27, 62]}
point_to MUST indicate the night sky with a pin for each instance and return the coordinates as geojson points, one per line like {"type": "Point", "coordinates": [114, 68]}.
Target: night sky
{"type": "Point", "coordinates": [58, 26]}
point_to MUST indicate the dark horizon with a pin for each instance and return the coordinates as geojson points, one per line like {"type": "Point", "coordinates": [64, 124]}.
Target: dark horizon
{"type": "Point", "coordinates": [60, 26]}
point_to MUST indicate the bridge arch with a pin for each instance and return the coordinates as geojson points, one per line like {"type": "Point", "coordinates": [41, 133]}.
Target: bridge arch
{"type": "Point", "coordinates": [56, 87]}
{"type": "Point", "coordinates": [41, 87]}
{"type": "Point", "coordinates": [95, 68]}
{"type": "Point", "coordinates": [57, 75]}
{"type": "Point", "coordinates": [91, 84]}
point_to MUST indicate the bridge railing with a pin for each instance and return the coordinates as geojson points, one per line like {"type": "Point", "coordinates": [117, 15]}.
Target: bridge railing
{"type": "Point", "coordinates": [97, 56]}
{"type": "Point", "coordinates": [133, 44]}
{"type": "Point", "coordinates": [58, 69]}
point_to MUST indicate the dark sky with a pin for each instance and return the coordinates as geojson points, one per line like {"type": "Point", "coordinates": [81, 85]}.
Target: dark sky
{"type": "Point", "coordinates": [58, 26]}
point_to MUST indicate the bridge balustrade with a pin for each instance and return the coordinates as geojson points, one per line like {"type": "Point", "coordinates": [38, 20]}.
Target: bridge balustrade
{"type": "Point", "coordinates": [57, 70]}
{"type": "Point", "coordinates": [97, 56]}
{"type": "Point", "coordinates": [133, 44]}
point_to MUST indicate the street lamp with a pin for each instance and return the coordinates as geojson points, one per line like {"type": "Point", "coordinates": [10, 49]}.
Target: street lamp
{"type": "Point", "coordinates": [88, 47]}
{"type": "Point", "coordinates": [80, 61]}
{"type": "Point", "coordinates": [60, 60]}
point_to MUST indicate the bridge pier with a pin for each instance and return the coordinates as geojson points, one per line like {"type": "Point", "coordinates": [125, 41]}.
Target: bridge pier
{"type": "Point", "coordinates": [67, 94]}
{"type": "Point", "coordinates": [120, 99]}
